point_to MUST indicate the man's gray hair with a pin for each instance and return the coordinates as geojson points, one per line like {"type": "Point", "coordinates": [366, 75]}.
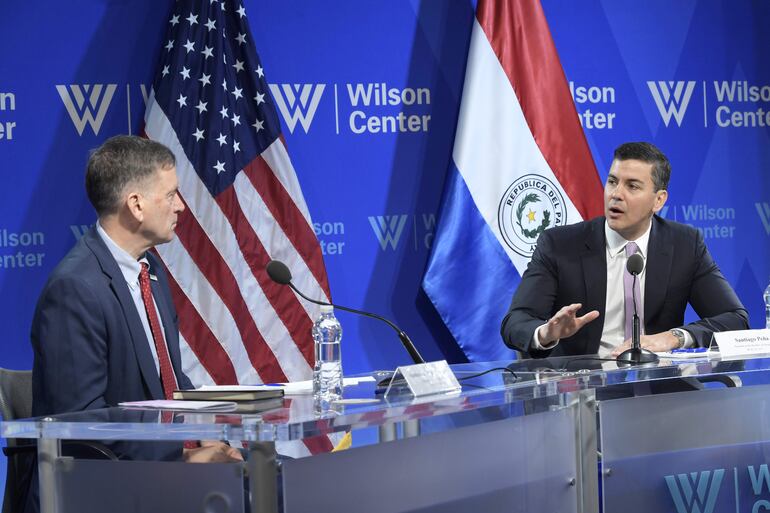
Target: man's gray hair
{"type": "Point", "coordinates": [122, 160]}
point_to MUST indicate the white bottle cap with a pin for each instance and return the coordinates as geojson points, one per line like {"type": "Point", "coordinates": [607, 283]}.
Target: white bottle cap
{"type": "Point", "coordinates": [327, 309]}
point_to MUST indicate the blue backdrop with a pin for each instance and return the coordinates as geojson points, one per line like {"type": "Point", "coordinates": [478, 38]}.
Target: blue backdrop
{"type": "Point", "coordinates": [690, 76]}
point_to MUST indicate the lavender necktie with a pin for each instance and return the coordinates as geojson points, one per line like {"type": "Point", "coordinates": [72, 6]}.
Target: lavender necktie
{"type": "Point", "coordinates": [628, 299]}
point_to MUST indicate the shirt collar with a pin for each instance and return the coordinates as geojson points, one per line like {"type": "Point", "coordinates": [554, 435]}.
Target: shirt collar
{"type": "Point", "coordinates": [129, 267]}
{"type": "Point", "coordinates": [616, 243]}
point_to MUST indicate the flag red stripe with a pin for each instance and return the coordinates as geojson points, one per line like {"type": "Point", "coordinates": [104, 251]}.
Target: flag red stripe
{"type": "Point", "coordinates": [211, 264]}
{"type": "Point", "coordinates": [282, 299]}
{"type": "Point", "coordinates": [318, 444]}
{"type": "Point", "coordinates": [200, 339]}
{"type": "Point", "coordinates": [288, 216]}
{"type": "Point", "coordinates": [519, 35]}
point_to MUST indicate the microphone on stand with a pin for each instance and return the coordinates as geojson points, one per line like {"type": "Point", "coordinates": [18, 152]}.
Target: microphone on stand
{"type": "Point", "coordinates": [636, 354]}
{"type": "Point", "coordinates": [281, 274]}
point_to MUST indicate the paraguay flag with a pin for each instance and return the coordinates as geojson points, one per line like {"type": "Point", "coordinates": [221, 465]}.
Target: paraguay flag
{"type": "Point", "coordinates": [520, 165]}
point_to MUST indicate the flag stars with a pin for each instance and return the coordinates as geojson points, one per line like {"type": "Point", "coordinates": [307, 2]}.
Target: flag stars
{"type": "Point", "coordinates": [260, 98]}
{"type": "Point", "coordinates": [174, 20]}
{"type": "Point", "coordinates": [192, 19]}
{"type": "Point", "coordinates": [182, 101]}
{"type": "Point", "coordinates": [207, 52]}
{"type": "Point", "coordinates": [189, 45]}
{"type": "Point", "coordinates": [224, 58]}
{"type": "Point", "coordinates": [211, 25]}
{"type": "Point", "coordinates": [236, 120]}
{"type": "Point", "coordinates": [238, 65]}
{"type": "Point", "coordinates": [241, 38]}
{"type": "Point", "coordinates": [205, 80]}
{"type": "Point", "coordinates": [220, 167]}
{"type": "Point", "coordinates": [201, 107]}
{"type": "Point", "coordinates": [236, 146]}
{"type": "Point", "coordinates": [185, 73]}
{"type": "Point", "coordinates": [238, 93]}
{"type": "Point", "coordinates": [223, 112]}
{"type": "Point", "coordinates": [224, 84]}
{"type": "Point", "coordinates": [259, 125]}
{"type": "Point", "coordinates": [165, 71]}
{"type": "Point", "coordinates": [198, 135]}
{"type": "Point", "coordinates": [222, 139]}
{"type": "Point", "coordinates": [241, 11]}
{"type": "Point", "coordinates": [260, 71]}
{"type": "Point", "coordinates": [169, 45]}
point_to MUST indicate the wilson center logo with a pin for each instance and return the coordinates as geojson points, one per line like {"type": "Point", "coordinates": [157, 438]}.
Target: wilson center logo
{"type": "Point", "coordinates": [671, 98]}
{"type": "Point", "coordinates": [297, 102]}
{"type": "Point", "coordinates": [87, 104]}
{"type": "Point", "coordinates": [388, 229]}
{"type": "Point", "coordinates": [763, 209]}
{"type": "Point", "coordinates": [695, 492]}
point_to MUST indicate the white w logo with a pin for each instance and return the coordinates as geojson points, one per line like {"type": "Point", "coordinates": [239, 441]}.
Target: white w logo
{"type": "Point", "coordinates": [388, 229]}
{"type": "Point", "coordinates": [695, 492]}
{"type": "Point", "coordinates": [763, 209]}
{"type": "Point", "coordinates": [297, 102]}
{"type": "Point", "coordinates": [78, 230]}
{"type": "Point", "coordinates": [671, 98]}
{"type": "Point", "coordinates": [81, 112]}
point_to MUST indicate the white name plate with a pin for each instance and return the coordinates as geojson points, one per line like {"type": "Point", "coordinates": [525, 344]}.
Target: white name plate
{"type": "Point", "coordinates": [743, 343]}
{"type": "Point", "coordinates": [428, 378]}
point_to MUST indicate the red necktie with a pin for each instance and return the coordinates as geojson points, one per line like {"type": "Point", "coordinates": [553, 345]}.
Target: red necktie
{"type": "Point", "coordinates": [167, 377]}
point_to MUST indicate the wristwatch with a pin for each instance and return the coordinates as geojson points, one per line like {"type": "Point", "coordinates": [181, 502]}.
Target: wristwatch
{"type": "Point", "coordinates": [679, 334]}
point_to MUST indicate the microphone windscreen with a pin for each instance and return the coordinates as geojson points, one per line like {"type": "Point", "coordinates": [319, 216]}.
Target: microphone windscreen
{"type": "Point", "coordinates": [635, 263]}
{"type": "Point", "coordinates": [278, 272]}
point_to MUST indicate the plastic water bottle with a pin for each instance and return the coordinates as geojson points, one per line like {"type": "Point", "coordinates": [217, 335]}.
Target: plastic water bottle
{"type": "Point", "coordinates": [767, 307]}
{"type": "Point", "coordinates": [327, 373]}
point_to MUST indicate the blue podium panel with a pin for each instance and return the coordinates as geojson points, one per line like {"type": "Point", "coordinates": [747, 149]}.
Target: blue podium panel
{"type": "Point", "coordinates": [703, 451]}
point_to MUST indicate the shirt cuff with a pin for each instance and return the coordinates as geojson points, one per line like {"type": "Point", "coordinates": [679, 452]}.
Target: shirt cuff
{"type": "Point", "coordinates": [536, 340]}
{"type": "Point", "coordinates": [689, 341]}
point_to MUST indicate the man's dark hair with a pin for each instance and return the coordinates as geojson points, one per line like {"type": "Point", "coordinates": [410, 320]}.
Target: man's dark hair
{"type": "Point", "coordinates": [649, 153]}
{"type": "Point", "coordinates": [120, 161]}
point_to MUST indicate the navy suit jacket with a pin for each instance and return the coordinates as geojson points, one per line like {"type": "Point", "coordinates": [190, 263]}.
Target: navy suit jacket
{"type": "Point", "coordinates": [90, 349]}
{"type": "Point", "coordinates": [570, 266]}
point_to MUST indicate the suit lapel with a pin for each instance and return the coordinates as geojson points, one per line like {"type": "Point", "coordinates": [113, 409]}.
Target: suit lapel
{"type": "Point", "coordinates": [659, 260]}
{"type": "Point", "coordinates": [136, 330]}
{"type": "Point", "coordinates": [594, 260]}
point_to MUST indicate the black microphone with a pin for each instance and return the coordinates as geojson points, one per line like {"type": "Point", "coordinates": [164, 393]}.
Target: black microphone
{"type": "Point", "coordinates": [635, 265]}
{"type": "Point", "coordinates": [281, 274]}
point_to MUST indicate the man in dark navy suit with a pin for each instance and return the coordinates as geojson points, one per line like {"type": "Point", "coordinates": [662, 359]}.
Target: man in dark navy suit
{"type": "Point", "coordinates": [572, 298]}
{"type": "Point", "coordinates": [102, 333]}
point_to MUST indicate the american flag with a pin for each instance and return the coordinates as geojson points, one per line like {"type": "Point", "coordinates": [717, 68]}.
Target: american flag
{"type": "Point", "coordinates": [210, 104]}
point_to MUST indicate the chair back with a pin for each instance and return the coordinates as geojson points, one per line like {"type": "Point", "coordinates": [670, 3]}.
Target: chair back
{"type": "Point", "coordinates": [16, 403]}
{"type": "Point", "coordinates": [15, 394]}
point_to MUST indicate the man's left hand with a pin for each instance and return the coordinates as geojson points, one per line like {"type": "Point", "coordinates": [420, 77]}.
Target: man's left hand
{"type": "Point", "coordinates": [212, 451]}
{"type": "Point", "coordinates": [658, 343]}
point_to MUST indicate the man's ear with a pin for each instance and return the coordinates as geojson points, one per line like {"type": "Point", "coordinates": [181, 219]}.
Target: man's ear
{"type": "Point", "coordinates": [660, 200]}
{"type": "Point", "coordinates": [135, 205]}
